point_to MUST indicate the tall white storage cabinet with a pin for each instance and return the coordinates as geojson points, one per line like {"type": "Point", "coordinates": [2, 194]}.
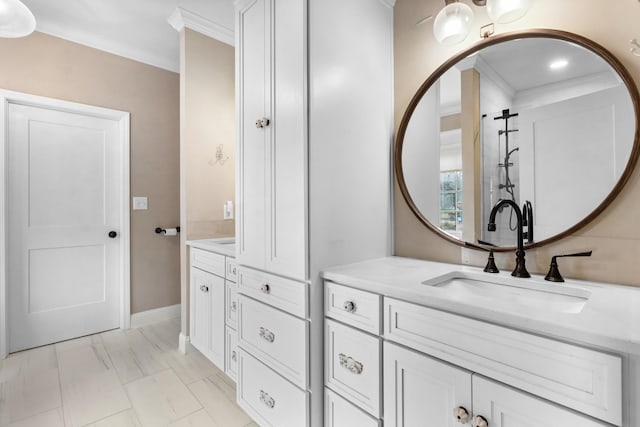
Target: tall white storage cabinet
{"type": "Point", "coordinates": [315, 123]}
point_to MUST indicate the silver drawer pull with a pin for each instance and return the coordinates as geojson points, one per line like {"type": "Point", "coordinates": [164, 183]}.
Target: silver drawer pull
{"type": "Point", "coordinates": [234, 306]}
{"type": "Point", "coordinates": [350, 364]}
{"type": "Point", "coordinates": [267, 335]}
{"type": "Point", "coordinates": [204, 288]}
{"type": "Point", "coordinates": [234, 356]}
{"type": "Point", "coordinates": [350, 306]}
{"type": "Point", "coordinates": [267, 400]}
{"type": "Point", "coordinates": [265, 288]}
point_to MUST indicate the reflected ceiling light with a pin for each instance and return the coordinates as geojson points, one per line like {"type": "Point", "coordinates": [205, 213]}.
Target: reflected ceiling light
{"type": "Point", "coordinates": [453, 23]}
{"type": "Point", "coordinates": [16, 20]}
{"type": "Point", "coordinates": [558, 63]}
{"type": "Point", "coordinates": [504, 11]}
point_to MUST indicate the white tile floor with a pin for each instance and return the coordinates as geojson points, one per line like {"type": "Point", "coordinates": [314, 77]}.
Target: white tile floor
{"type": "Point", "coordinates": [117, 379]}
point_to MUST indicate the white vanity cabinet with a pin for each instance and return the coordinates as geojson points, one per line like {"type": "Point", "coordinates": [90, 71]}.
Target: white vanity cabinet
{"type": "Point", "coordinates": [207, 329]}
{"type": "Point", "coordinates": [448, 370]}
{"type": "Point", "coordinates": [353, 357]}
{"type": "Point", "coordinates": [213, 307]}
{"type": "Point", "coordinates": [419, 387]}
{"type": "Point", "coordinates": [314, 98]}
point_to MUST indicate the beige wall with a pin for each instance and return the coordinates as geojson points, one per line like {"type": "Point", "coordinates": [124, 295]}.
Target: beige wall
{"type": "Point", "coordinates": [209, 121]}
{"type": "Point", "coordinates": [48, 66]}
{"type": "Point", "coordinates": [614, 236]}
{"type": "Point", "coordinates": [207, 111]}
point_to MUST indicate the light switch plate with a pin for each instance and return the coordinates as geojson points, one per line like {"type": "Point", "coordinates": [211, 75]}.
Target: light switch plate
{"type": "Point", "coordinates": [140, 203]}
{"type": "Point", "coordinates": [228, 210]}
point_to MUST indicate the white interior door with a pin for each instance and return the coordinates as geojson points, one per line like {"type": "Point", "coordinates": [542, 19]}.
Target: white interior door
{"type": "Point", "coordinates": [64, 199]}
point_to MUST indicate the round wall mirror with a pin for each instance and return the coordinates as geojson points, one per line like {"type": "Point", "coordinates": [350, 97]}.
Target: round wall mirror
{"type": "Point", "coordinates": [545, 118]}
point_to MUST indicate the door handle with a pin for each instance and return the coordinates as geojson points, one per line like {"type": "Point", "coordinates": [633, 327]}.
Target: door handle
{"type": "Point", "coordinates": [113, 234]}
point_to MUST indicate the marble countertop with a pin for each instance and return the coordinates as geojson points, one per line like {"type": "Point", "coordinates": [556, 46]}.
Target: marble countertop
{"type": "Point", "coordinates": [609, 318]}
{"type": "Point", "coordinates": [224, 246]}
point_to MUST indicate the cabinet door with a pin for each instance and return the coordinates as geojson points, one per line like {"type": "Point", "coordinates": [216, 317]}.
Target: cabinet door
{"type": "Point", "coordinates": [253, 82]}
{"type": "Point", "coordinates": [503, 406]}
{"type": "Point", "coordinates": [286, 252]}
{"type": "Point", "coordinates": [200, 306]}
{"type": "Point", "coordinates": [420, 390]}
{"type": "Point", "coordinates": [207, 315]}
{"type": "Point", "coordinates": [272, 158]}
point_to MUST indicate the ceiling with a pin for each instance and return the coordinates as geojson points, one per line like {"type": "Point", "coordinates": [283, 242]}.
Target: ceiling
{"type": "Point", "coordinates": [136, 29]}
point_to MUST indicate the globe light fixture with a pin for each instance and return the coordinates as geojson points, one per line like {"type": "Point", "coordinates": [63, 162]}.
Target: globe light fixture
{"type": "Point", "coordinates": [504, 11]}
{"type": "Point", "coordinates": [453, 23]}
{"type": "Point", "coordinates": [16, 20]}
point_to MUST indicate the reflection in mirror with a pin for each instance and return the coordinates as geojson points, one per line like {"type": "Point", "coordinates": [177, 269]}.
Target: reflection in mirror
{"type": "Point", "coordinates": [542, 121]}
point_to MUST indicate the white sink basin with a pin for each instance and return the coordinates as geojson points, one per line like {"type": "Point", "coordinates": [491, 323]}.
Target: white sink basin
{"type": "Point", "coordinates": [506, 293]}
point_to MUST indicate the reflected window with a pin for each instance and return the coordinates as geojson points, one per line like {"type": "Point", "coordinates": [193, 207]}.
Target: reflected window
{"type": "Point", "coordinates": [451, 200]}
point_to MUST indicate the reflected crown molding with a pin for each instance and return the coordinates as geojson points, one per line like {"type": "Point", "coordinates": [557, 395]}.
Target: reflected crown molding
{"type": "Point", "coordinates": [182, 18]}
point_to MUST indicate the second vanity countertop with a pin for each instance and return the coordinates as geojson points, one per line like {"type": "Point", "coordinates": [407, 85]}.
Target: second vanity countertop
{"type": "Point", "coordinates": [609, 319]}
{"type": "Point", "coordinates": [224, 246]}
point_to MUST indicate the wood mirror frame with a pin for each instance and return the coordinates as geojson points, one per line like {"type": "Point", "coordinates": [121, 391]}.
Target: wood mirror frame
{"type": "Point", "coordinates": [584, 42]}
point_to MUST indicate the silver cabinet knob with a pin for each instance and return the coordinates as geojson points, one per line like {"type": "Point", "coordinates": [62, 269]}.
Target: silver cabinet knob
{"type": "Point", "coordinates": [234, 306]}
{"type": "Point", "coordinates": [234, 356]}
{"type": "Point", "coordinates": [267, 335]}
{"type": "Point", "coordinates": [268, 401]}
{"type": "Point", "coordinates": [461, 414]}
{"type": "Point", "coordinates": [204, 288]}
{"type": "Point", "coordinates": [265, 288]}
{"type": "Point", "coordinates": [262, 122]}
{"type": "Point", "coordinates": [480, 421]}
{"type": "Point", "coordinates": [350, 364]}
{"type": "Point", "coordinates": [349, 306]}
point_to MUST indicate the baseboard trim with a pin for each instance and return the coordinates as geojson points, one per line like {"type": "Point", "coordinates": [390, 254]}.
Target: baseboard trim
{"type": "Point", "coordinates": [183, 343]}
{"type": "Point", "coordinates": [154, 316]}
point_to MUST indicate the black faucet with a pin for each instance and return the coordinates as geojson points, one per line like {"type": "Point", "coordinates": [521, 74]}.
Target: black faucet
{"type": "Point", "coordinates": [520, 270]}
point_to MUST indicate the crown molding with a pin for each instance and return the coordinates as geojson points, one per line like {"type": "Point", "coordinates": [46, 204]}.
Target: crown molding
{"type": "Point", "coordinates": [182, 18]}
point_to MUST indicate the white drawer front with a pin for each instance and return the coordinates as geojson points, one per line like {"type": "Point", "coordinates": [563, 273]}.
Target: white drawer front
{"type": "Point", "coordinates": [231, 309]}
{"type": "Point", "coordinates": [276, 338]}
{"type": "Point", "coordinates": [232, 270]}
{"type": "Point", "coordinates": [267, 397]}
{"type": "Point", "coordinates": [352, 365]}
{"type": "Point", "coordinates": [288, 295]}
{"type": "Point", "coordinates": [352, 306]}
{"type": "Point", "coordinates": [231, 357]}
{"type": "Point", "coordinates": [585, 380]}
{"type": "Point", "coordinates": [208, 261]}
{"type": "Point", "coordinates": [338, 412]}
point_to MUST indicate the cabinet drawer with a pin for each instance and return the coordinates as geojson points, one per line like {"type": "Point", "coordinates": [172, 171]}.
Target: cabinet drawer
{"type": "Point", "coordinates": [231, 356]}
{"type": "Point", "coordinates": [208, 261]}
{"type": "Point", "coordinates": [352, 306]}
{"type": "Point", "coordinates": [232, 269]}
{"type": "Point", "coordinates": [288, 295]}
{"type": "Point", "coordinates": [276, 338]}
{"type": "Point", "coordinates": [352, 365]}
{"type": "Point", "coordinates": [582, 379]}
{"type": "Point", "coordinates": [339, 412]}
{"type": "Point", "coordinates": [231, 305]}
{"type": "Point", "coordinates": [267, 397]}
